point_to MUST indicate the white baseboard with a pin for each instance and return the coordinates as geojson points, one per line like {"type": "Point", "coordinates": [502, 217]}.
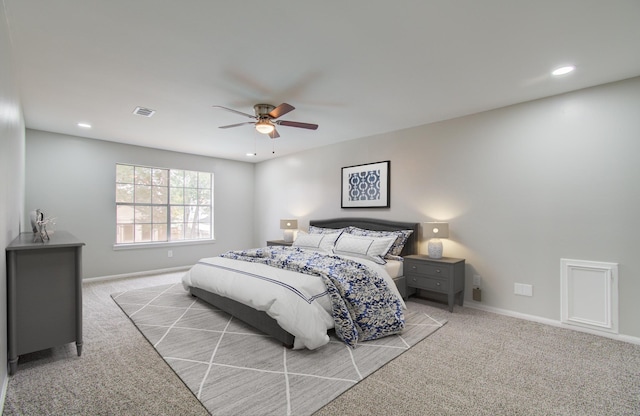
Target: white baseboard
{"type": "Point", "coordinates": [136, 274]}
{"type": "Point", "coordinates": [552, 322]}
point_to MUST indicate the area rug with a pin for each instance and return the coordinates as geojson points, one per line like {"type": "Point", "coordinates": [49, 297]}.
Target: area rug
{"type": "Point", "coordinates": [234, 369]}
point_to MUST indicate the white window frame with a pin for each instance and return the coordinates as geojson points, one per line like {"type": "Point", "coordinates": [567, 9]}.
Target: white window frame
{"type": "Point", "coordinates": [198, 198]}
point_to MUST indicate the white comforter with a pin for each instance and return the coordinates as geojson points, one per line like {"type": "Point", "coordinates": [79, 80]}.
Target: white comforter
{"type": "Point", "coordinates": [298, 302]}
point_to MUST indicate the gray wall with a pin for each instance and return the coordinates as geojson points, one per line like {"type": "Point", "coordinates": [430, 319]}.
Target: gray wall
{"type": "Point", "coordinates": [522, 187]}
{"type": "Point", "coordinates": [72, 179]}
{"type": "Point", "coordinates": [12, 155]}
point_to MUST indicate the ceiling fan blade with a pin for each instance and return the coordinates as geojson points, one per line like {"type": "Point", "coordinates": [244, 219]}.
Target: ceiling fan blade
{"type": "Point", "coordinates": [236, 125]}
{"type": "Point", "coordinates": [234, 111]}
{"type": "Point", "coordinates": [274, 134]}
{"type": "Point", "coordinates": [297, 124]}
{"type": "Point", "coordinates": [281, 110]}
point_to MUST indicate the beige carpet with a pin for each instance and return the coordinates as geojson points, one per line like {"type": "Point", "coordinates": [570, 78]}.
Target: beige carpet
{"type": "Point", "coordinates": [119, 373]}
{"type": "Point", "coordinates": [234, 369]}
{"type": "Point", "coordinates": [479, 363]}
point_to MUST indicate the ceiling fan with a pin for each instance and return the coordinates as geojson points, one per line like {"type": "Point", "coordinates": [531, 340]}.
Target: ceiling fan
{"type": "Point", "coordinates": [266, 116]}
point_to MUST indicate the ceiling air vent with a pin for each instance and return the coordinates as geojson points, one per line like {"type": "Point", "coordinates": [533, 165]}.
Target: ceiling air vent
{"type": "Point", "coordinates": [141, 111]}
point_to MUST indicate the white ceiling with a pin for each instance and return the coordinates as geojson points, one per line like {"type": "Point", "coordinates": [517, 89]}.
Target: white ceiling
{"type": "Point", "coordinates": [355, 67]}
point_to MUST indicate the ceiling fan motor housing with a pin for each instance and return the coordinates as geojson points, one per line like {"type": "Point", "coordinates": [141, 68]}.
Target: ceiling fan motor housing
{"type": "Point", "coordinates": [263, 110]}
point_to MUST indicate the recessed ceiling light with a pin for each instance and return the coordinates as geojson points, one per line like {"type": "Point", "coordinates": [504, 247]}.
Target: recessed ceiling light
{"type": "Point", "coordinates": [84, 125]}
{"type": "Point", "coordinates": [563, 70]}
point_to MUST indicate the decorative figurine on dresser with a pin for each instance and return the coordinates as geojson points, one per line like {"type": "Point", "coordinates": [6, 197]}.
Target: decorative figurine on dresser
{"type": "Point", "coordinates": [39, 225]}
{"type": "Point", "coordinates": [44, 293]}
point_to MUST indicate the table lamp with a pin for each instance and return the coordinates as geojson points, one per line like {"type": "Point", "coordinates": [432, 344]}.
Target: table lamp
{"type": "Point", "coordinates": [289, 226]}
{"type": "Point", "coordinates": [434, 231]}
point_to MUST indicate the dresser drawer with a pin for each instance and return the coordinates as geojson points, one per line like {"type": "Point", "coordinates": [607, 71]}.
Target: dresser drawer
{"type": "Point", "coordinates": [428, 283]}
{"type": "Point", "coordinates": [418, 267]}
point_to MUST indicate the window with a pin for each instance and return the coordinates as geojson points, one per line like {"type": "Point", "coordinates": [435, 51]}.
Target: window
{"type": "Point", "coordinates": [162, 205]}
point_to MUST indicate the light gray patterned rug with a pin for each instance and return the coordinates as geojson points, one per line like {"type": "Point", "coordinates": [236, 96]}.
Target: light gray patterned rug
{"type": "Point", "coordinates": [234, 369]}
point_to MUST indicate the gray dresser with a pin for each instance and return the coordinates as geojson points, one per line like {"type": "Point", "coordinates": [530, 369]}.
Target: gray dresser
{"type": "Point", "coordinates": [44, 294]}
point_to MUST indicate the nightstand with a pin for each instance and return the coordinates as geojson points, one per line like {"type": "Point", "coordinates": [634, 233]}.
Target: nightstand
{"type": "Point", "coordinates": [442, 276]}
{"type": "Point", "coordinates": [278, 243]}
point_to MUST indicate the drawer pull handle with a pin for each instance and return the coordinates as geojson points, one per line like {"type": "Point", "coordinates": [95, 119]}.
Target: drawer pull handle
{"type": "Point", "coordinates": [437, 270]}
{"type": "Point", "coordinates": [413, 267]}
{"type": "Point", "coordinates": [438, 284]}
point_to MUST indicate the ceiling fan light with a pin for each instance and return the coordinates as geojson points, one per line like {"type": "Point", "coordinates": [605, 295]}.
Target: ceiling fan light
{"type": "Point", "coordinates": [264, 127]}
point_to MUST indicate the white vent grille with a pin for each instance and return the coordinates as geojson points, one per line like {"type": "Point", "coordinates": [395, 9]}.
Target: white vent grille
{"type": "Point", "coordinates": [589, 294]}
{"type": "Point", "coordinates": [141, 111]}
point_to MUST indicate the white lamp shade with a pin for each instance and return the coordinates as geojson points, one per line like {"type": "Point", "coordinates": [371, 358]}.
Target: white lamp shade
{"type": "Point", "coordinates": [288, 224]}
{"type": "Point", "coordinates": [436, 230]}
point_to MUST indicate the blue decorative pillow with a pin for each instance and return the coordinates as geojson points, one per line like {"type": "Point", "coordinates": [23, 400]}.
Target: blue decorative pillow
{"type": "Point", "coordinates": [396, 248]}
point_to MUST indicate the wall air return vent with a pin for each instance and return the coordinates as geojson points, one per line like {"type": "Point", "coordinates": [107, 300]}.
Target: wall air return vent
{"type": "Point", "coordinates": [141, 111]}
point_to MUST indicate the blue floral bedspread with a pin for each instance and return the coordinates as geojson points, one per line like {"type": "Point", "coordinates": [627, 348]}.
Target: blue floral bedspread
{"type": "Point", "coordinates": [363, 307]}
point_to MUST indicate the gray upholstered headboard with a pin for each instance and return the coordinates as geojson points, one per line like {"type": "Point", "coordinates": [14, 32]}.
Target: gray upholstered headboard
{"type": "Point", "coordinates": [411, 247]}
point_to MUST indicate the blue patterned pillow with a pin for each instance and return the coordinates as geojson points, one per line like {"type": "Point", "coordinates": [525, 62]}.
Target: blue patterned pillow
{"type": "Point", "coordinates": [396, 248]}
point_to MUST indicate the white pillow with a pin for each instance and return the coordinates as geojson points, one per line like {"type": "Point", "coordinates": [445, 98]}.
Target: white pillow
{"type": "Point", "coordinates": [320, 230]}
{"type": "Point", "coordinates": [398, 245]}
{"type": "Point", "coordinates": [373, 248]}
{"type": "Point", "coordinates": [322, 242]}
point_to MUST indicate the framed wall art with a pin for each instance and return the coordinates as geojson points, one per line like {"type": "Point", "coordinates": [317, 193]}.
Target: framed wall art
{"type": "Point", "coordinates": [366, 186]}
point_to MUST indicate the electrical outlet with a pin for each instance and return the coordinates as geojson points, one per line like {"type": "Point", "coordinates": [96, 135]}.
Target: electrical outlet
{"type": "Point", "coordinates": [477, 280]}
{"type": "Point", "coordinates": [522, 289]}
{"type": "Point", "coordinates": [170, 253]}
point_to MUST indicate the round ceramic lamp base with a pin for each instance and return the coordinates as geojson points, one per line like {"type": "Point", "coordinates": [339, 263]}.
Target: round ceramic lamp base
{"type": "Point", "coordinates": [434, 248]}
{"type": "Point", "coordinates": [288, 236]}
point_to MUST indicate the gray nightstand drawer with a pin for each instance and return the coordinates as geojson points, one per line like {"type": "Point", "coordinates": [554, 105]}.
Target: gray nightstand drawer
{"type": "Point", "coordinates": [427, 269]}
{"type": "Point", "coordinates": [428, 283]}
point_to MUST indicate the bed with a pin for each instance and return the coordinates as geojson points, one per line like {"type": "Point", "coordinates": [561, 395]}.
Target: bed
{"type": "Point", "coordinates": [268, 322]}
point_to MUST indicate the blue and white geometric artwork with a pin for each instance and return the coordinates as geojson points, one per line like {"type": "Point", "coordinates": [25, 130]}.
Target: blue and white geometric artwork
{"type": "Point", "coordinates": [366, 186]}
